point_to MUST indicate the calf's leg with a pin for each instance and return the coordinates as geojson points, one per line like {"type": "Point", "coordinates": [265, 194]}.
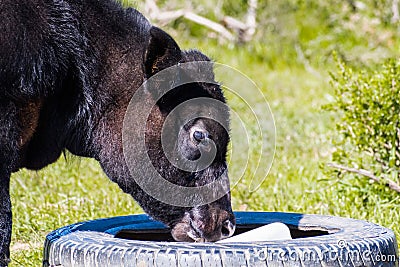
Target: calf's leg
{"type": "Point", "coordinates": [5, 220]}
{"type": "Point", "coordinates": [8, 161]}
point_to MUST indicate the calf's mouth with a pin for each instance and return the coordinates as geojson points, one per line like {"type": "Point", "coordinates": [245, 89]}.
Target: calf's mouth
{"type": "Point", "coordinates": [205, 224]}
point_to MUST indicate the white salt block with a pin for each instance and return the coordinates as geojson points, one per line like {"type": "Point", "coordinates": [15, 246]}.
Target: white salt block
{"type": "Point", "coordinates": [270, 232]}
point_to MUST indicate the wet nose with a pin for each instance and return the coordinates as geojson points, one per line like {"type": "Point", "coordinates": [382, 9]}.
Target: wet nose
{"type": "Point", "coordinates": [227, 229]}
{"type": "Point", "coordinates": [213, 228]}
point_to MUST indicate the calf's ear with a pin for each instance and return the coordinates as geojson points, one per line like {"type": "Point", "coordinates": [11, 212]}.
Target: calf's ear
{"type": "Point", "coordinates": [161, 52]}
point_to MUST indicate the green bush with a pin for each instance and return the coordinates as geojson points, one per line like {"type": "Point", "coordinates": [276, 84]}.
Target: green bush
{"type": "Point", "coordinates": [368, 132]}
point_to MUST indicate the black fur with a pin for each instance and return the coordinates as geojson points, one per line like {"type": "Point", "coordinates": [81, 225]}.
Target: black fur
{"type": "Point", "coordinates": [68, 70]}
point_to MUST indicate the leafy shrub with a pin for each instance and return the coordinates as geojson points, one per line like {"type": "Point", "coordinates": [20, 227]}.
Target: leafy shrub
{"type": "Point", "coordinates": [368, 103]}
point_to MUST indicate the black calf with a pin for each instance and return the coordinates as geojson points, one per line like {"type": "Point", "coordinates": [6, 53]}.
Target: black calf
{"type": "Point", "coordinates": [68, 70]}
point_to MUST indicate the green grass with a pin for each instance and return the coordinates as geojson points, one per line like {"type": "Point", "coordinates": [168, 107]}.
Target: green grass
{"type": "Point", "coordinates": [61, 194]}
{"type": "Point", "coordinates": [76, 189]}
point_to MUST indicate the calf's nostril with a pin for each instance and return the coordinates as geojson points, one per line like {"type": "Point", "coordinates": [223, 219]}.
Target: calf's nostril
{"type": "Point", "coordinates": [228, 228]}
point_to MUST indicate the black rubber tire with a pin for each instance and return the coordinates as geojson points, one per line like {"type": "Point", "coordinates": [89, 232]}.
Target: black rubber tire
{"type": "Point", "coordinates": [347, 242]}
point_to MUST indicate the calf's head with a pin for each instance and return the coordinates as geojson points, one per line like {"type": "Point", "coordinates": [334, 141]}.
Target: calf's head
{"type": "Point", "coordinates": [185, 139]}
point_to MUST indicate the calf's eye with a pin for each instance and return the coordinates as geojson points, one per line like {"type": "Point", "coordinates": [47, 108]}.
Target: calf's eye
{"type": "Point", "coordinates": [199, 136]}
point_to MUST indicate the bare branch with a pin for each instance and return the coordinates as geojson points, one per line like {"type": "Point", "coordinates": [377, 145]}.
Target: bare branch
{"type": "Point", "coordinates": [165, 17]}
{"type": "Point", "coordinates": [245, 31]}
{"type": "Point", "coordinates": [168, 16]}
{"type": "Point", "coordinates": [233, 23]}
{"type": "Point", "coordinates": [392, 185]}
{"type": "Point", "coordinates": [210, 24]}
{"type": "Point", "coordinates": [250, 21]}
